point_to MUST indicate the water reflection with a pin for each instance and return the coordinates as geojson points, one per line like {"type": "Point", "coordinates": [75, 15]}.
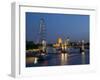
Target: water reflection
{"type": "Point", "coordinates": [53, 59]}
{"type": "Point", "coordinates": [64, 58]}
{"type": "Point", "coordinates": [35, 60]}
{"type": "Point", "coordinates": [30, 60]}
{"type": "Point", "coordinates": [83, 57]}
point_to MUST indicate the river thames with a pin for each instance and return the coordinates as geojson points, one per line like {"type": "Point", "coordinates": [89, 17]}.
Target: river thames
{"type": "Point", "coordinates": [74, 57]}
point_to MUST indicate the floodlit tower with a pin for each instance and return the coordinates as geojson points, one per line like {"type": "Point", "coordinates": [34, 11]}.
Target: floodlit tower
{"type": "Point", "coordinates": [60, 42]}
{"type": "Point", "coordinates": [83, 47]}
{"type": "Point", "coordinates": [68, 41]}
{"type": "Point", "coordinates": [66, 44]}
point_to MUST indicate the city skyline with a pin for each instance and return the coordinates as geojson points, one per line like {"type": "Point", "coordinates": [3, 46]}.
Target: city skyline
{"type": "Point", "coordinates": [74, 26]}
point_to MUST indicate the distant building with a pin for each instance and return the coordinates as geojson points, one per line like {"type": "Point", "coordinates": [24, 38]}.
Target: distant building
{"type": "Point", "coordinates": [62, 45]}
{"type": "Point", "coordinates": [59, 43]}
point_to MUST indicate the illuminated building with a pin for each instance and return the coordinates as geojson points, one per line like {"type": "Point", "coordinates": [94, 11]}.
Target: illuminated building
{"type": "Point", "coordinates": [59, 43]}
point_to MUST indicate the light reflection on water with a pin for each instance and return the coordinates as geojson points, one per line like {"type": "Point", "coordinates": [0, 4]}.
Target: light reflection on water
{"type": "Point", "coordinates": [73, 58]}
{"type": "Point", "coordinates": [64, 58]}
{"type": "Point", "coordinates": [83, 57]}
{"type": "Point", "coordinates": [31, 60]}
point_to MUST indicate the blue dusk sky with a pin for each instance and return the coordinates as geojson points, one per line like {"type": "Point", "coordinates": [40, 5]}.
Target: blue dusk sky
{"type": "Point", "coordinates": [76, 27]}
